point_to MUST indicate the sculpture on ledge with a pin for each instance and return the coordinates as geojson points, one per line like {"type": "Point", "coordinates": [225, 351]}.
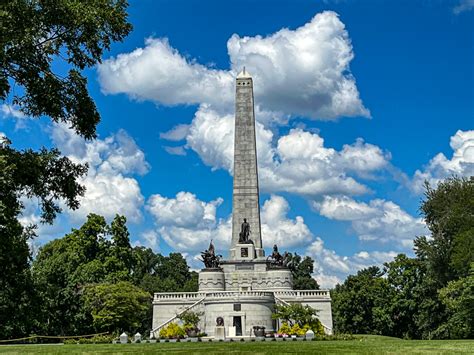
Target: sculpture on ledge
{"type": "Point", "coordinates": [245, 233]}
{"type": "Point", "coordinates": [209, 257]}
{"type": "Point", "coordinates": [278, 260]}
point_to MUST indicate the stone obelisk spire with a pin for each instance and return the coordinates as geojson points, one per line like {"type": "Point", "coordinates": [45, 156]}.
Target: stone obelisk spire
{"type": "Point", "coordinates": [245, 202]}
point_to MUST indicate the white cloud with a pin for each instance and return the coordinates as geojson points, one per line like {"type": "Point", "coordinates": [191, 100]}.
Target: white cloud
{"type": "Point", "coordinates": [177, 133]}
{"type": "Point", "coordinates": [332, 268]}
{"type": "Point", "coordinates": [379, 220]}
{"type": "Point", "coordinates": [278, 229]}
{"type": "Point", "coordinates": [298, 162]}
{"type": "Point", "coordinates": [440, 167]}
{"type": "Point", "coordinates": [160, 73]}
{"type": "Point", "coordinates": [111, 189]}
{"type": "Point", "coordinates": [298, 72]}
{"type": "Point", "coordinates": [151, 239]}
{"type": "Point", "coordinates": [212, 137]}
{"type": "Point", "coordinates": [463, 5]}
{"type": "Point", "coordinates": [188, 224]}
{"type": "Point", "coordinates": [179, 150]}
{"type": "Point", "coordinates": [186, 210]}
{"type": "Point", "coordinates": [13, 111]}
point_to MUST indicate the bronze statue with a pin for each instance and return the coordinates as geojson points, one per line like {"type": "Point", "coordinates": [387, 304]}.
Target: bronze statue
{"type": "Point", "coordinates": [220, 321]}
{"type": "Point", "coordinates": [245, 233]}
{"type": "Point", "coordinates": [278, 260]}
{"type": "Point", "coordinates": [209, 257]}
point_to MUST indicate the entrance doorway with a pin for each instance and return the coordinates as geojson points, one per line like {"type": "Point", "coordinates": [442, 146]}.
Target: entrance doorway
{"type": "Point", "coordinates": [238, 325]}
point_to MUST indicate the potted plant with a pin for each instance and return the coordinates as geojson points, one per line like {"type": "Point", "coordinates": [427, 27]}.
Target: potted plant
{"type": "Point", "coordinates": [191, 320]}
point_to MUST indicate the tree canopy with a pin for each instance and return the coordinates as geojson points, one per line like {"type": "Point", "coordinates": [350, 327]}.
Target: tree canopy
{"type": "Point", "coordinates": [429, 296]}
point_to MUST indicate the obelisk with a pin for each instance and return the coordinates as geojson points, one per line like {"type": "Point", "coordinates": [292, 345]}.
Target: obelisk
{"type": "Point", "coordinates": [245, 199]}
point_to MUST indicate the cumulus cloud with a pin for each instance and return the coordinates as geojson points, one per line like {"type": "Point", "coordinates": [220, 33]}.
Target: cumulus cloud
{"type": "Point", "coordinates": [111, 187]}
{"type": "Point", "coordinates": [378, 220]}
{"type": "Point", "coordinates": [298, 72]}
{"type": "Point", "coordinates": [278, 229]}
{"type": "Point", "coordinates": [297, 162]}
{"type": "Point", "coordinates": [440, 167]}
{"type": "Point", "coordinates": [188, 224]}
{"type": "Point", "coordinates": [331, 268]}
{"type": "Point", "coordinates": [160, 73]}
{"type": "Point", "coordinates": [151, 239]}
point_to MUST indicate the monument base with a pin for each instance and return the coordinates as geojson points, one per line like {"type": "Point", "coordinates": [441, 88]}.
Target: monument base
{"type": "Point", "coordinates": [219, 333]}
{"type": "Point", "coordinates": [246, 252]}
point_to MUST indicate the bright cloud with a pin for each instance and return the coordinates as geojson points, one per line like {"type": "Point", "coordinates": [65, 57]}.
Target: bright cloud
{"type": "Point", "coordinates": [111, 189]}
{"type": "Point", "coordinates": [379, 220]}
{"type": "Point", "coordinates": [278, 229]}
{"type": "Point", "coordinates": [440, 167]}
{"type": "Point", "coordinates": [178, 133]}
{"type": "Point", "coordinates": [332, 268]}
{"type": "Point", "coordinates": [299, 72]}
{"type": "Point", "coordinates": [188, 224]}
{"type": "Point", "coordinates": [297, 162]}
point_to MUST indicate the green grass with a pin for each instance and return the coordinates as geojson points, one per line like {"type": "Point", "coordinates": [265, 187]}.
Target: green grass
{"type": "Point", "coordinates": [362, 345]}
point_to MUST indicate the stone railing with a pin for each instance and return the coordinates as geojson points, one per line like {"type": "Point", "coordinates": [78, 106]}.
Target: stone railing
{"type": "Point", "coordinates": [162, 296]}
{"type": "Point", "coordinates": [190, 296]}
{"type": "Point", "coordinates": [303, 293]}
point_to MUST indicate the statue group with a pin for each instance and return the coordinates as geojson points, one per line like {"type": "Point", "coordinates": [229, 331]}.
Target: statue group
{"type": "Point", "coordinates": [278, 260]}
{"type": "Point", "coordinates": [209, 257]}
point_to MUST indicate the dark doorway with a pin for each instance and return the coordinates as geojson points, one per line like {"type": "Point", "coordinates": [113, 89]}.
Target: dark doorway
{"type": "Point", "coordinates": [238, 325]}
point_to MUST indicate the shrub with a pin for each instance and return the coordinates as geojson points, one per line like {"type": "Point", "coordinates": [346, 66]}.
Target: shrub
{"type": "Point", "coordinates": [284, 329]}
{"type": "Point", "coordinates": [172, 331]}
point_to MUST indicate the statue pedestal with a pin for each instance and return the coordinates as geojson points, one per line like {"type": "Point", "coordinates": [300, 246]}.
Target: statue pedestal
{"type": "Point", "coordinates": [219, 333]}
{"type": "Point", "coordinates": [245, 251]}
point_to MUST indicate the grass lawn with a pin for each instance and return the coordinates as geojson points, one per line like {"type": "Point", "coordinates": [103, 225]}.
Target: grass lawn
{"type": "Point", "coordinates": [362, 345]}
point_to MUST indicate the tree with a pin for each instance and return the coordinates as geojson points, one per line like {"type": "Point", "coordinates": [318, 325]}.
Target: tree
{"type": "Point", "coordinates": [116, 307]}
{"type": "Point", "coordinates": [449, 214]}
{"type": "Point", "coordinates": [299, 318]}
{"type": "Point", "coordinates": [301, 269]}
{"type": "Point", "coordinates": [458, 297]}
{"type": "Point", "coordinates": [36, 34]}
{"type": "Point", "coordinates": [360, 304]}
{"type": "Point", "coordinates": [406, 278]}
{"type": "Point", "coordinates": [65, 266]}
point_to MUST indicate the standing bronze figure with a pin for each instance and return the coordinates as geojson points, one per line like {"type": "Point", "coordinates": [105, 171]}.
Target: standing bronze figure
{"type": "Point", "coordinates": [244, 233]}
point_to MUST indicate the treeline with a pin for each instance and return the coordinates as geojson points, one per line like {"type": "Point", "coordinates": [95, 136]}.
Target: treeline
{"type": "Point", "coordinates": [92, 280]}
{"type": "Point", "coordinates": [430, 296]}
{"type": "Point", "coordinates": [89, 281]}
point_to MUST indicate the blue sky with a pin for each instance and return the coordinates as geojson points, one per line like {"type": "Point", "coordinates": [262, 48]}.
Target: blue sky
{"type": "Point", "coordinates": [358, 103]}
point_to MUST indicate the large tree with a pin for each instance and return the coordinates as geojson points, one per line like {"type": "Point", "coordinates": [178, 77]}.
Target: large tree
{"type": "Point", "coordinates": [301, 270]}
{"type": "Point", "coordinates": [359, 305]}
{"type": "Point", "coordinates": [64, 267]}
{"type": "Point", "coordinates": [45, 44]}
{"type": "Point", "coordinates": [117, 307]}
{"type": "Point", "coordinates": [448, 210]}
